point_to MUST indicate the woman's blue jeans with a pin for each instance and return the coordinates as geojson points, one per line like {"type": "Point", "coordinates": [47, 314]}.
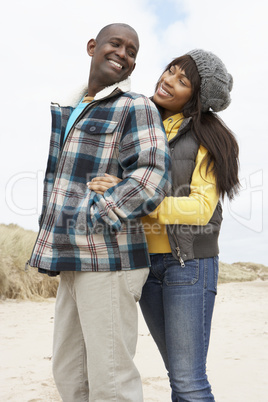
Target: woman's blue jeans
{"type": "Point", "coordinates": [177, 304]}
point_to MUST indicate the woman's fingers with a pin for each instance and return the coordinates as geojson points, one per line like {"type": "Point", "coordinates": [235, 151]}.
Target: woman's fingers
{"type": "Point", "coordinates": [99, 186]}
{"type": "Point", "coordinates": [103, 183]}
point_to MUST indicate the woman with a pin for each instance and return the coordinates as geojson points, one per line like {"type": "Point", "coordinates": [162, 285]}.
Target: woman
{"type": "Point", "coordinates": [182, 233]}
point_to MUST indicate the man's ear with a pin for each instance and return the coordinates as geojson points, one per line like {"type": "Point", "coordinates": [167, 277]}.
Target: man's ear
{"type": "Point", "coordinates": [134, 65]}
{"type": "Point", "coordinates": [91, 47]}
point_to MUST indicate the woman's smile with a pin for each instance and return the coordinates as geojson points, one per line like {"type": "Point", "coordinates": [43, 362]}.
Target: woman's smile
{"type": "Point", "coordinates": [173, 92]}
{"type": "Point", "coordinates": [163, 92]}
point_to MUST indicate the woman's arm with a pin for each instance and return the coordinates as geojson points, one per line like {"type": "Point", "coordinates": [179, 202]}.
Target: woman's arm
{"type": "Point", "coordinates": [198, 207]}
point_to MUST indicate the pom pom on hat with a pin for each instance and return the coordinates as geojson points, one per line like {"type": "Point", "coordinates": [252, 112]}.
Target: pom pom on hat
{"type": "Point", "coordinates": [216, 82]}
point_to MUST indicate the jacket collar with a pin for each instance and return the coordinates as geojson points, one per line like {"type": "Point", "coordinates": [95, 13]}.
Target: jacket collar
{"type": "Point", "coordinates": [185, 124]}
{"type": "Point", "coordinates": [184, 127]}
{"type": "Point", "coordinates": [123, 86]}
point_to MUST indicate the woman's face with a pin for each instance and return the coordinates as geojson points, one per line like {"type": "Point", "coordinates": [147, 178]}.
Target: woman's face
{"type": "Point", "coordinates": [173, 91]}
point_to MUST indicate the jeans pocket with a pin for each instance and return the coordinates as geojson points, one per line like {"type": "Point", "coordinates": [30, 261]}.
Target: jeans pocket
{"type": "Point", "coordinates": [184, 276]}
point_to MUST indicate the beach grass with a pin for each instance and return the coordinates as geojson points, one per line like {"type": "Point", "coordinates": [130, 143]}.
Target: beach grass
{"type": "Point", "coordinates": [16, 245]}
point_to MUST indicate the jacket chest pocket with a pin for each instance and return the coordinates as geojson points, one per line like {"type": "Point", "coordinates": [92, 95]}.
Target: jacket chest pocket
{"type": "Point", "coordinates": [98, 141]}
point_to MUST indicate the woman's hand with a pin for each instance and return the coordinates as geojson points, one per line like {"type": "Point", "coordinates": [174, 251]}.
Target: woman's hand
{"type": "Point", "coordinates": [103, 183]}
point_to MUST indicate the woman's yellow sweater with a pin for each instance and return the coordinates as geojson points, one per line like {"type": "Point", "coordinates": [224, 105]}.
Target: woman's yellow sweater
{"type": "Point", "coordinates": [196, 209]}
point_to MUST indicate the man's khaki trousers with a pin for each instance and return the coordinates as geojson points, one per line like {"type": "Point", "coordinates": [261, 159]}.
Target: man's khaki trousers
{"type": "Point", "coordinates": [95, 336]}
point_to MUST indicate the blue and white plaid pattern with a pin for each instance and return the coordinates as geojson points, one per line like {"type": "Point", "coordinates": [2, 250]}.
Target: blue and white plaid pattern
{"type": "Point", "coordinates": [80, 230]}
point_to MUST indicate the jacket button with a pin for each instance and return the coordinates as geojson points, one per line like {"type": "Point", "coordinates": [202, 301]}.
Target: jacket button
{"type": "Point", "coordinates": [92, 128]}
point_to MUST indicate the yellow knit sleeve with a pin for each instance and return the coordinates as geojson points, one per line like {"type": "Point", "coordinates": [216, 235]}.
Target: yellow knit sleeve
{"type": "Point", "coordinates": [198, 207]}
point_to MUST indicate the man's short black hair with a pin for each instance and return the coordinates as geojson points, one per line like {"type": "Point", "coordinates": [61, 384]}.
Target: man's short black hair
{"type": "Point", "coordinates": [104, 29]}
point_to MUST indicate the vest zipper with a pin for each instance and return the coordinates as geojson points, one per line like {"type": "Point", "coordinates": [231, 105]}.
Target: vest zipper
{"type": "Point", "coordinates": [180, 257]}
{"type": "Point", "coordinates": [178, 251]}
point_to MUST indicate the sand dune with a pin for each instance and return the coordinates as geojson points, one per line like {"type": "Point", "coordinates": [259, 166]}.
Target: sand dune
{"type": "Point", "coordinates": [238, 355]}
{"type": "Point", "coordinates": [16, 245]}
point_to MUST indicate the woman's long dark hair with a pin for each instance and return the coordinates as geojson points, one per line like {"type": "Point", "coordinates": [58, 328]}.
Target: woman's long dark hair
{"type": "Point", "coordinates": [212, 133]}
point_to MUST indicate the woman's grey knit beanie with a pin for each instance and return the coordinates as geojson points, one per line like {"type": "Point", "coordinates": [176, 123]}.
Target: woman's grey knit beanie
{"type": "Point", "coordinates": [216, 82]}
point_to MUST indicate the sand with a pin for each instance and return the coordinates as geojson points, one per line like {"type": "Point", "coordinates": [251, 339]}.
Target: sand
{"type": "Point", "coordinates": [237, 362]}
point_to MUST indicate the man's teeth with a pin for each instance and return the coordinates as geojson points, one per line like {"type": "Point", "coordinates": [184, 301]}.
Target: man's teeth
{"type": "Point", "coordinates": [116, 64]}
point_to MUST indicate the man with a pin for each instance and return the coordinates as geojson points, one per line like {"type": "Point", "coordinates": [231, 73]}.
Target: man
{"type": "Point", "coordinates": [96, 242]}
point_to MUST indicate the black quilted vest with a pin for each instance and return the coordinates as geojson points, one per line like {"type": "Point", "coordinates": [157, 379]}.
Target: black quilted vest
{"type": "Point", "coordinates": [190, 241]}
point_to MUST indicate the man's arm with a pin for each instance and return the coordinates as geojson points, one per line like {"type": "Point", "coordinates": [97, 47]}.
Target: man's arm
{"type": "Point", "coordinates": [144, 159]}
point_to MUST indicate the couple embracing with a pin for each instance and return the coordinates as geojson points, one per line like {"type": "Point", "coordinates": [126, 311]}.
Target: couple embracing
{"type": "Point", "coordinates": [132, 212]}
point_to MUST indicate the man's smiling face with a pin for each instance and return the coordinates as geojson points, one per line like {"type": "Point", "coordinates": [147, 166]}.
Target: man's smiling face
{"type": "Point", "coordinates": [113, 56]}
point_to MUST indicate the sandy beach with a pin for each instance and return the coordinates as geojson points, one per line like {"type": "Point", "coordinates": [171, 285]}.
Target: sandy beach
{"type": "Point", "coordinates": [237, 362]}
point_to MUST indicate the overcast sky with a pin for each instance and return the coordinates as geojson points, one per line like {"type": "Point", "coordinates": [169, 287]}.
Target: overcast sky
{"type": "Point", "coordinates": [43, 46]}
